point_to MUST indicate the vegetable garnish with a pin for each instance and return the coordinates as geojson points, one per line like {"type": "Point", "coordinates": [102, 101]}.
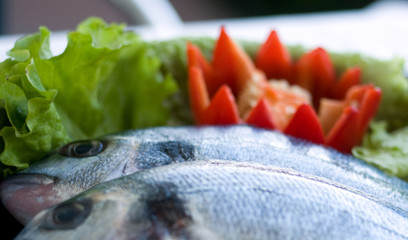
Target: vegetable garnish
{"type": "Point", "coordinates": [387, 151]}
{"type": "Point", "coordinates": [233, 89]}
{"type": "Point", "coordinates": [103, 82]}
{"type": "Point", "coordinates": [109, 79]}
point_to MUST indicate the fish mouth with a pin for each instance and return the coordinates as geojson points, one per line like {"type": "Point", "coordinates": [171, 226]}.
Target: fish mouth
{"type": "Point", "coordinates": [25, 195]}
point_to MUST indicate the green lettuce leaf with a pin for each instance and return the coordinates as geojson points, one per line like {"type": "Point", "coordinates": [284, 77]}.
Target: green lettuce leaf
{"type": "Point", "coordinates": [387, 151]}
{"type": "Point", "coordinates": [103, 82]}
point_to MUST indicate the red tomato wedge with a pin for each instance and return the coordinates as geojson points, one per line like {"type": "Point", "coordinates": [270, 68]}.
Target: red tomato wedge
{"type": "Point", "coordinates": [261, 115]}
{"type": "Point", "coordinates": [367, 98]}
{"type": "Point", "coordinates": [199, 99]}
{"type": "Point", "coordinates": [305, 124]}
{"type": "Point", "coordinates": [345, 133]}
{"type": "Point", "coordinates": [351, 77]}
{"type": "Point", "coordinates": [231, 65]}
{"type": "Point", "coordinates": [345, 107]}
{"type": "Point", "coordinates": [196, 59]}
{"type": "Point", "coordinates": [314, 72]}
{"type": "Point", "coordinates": [361, 104]}
{"type": "Point", "coordinates": [222, 110]}
{"type": "Point", "coordinates": [274, 59]}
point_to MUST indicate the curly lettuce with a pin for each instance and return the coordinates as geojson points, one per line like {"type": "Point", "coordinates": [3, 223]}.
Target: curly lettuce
{"type": "Point", "coordinates": [386, 150]}
{"type": "Point", "coordinates": [103, 82]}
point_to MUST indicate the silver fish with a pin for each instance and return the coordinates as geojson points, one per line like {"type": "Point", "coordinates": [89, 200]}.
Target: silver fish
{"type": "Point", "coordinates": [78, 166]}
{"type": "Point", "coordinates": [220, 200]}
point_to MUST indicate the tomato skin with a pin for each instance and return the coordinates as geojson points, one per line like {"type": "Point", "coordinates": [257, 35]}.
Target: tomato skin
{"type": "Point", "coordinates": [362, 103]}
{"type": "Point", "coordinates": [314, 72]}
{"type": "Point", "coordinates": [274, 59]}
{"type": "Point", "coordinates": [196, 59]}
{"type": "Point", "coordinates": [345, 133]}
{"type": "Point", "coordinates": [305, 124]}
{"type": "Point", "coordinates": [351, 77]}
{"type": "Point", "coordinates": [231, 65]}
{"type": "Point", "coordinates": [369, 106]}
{"type": "Point", "coordinates": [260, 115]}
{"type": "Point", "coordinates": [199, 99]}
{"type": "Point", "coordinates": [345, 107]}
{"type": "Point", "coordinates": [222, 109]}
{"type": "Point", "coordinates": [368, 99]}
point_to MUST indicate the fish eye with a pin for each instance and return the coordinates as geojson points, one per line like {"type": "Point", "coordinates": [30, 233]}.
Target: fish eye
{"type": "Point", "coordinates": [81, 149]}
{"type": "Point", "coordinates": [68, 215]}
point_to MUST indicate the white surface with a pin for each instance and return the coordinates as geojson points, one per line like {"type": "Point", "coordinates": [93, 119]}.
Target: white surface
{"type": "Point", "coordinates": [381, 30]}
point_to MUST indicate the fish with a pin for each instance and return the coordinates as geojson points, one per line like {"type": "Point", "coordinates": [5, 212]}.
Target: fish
{"type": "Point", "coordinates": [218, 199]}
{"type": "Point", "coordinates": [79, 165]}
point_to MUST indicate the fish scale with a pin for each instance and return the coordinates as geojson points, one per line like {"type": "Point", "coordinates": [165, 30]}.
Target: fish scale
{"type": "Point", "coordinates": [138, 150]}
{"type": "Point", "coordinates": [228, 200]}
{"type": "Point", "coordinates": [292, 188]}
{"type": "Point", "coordinates": [286, 192]}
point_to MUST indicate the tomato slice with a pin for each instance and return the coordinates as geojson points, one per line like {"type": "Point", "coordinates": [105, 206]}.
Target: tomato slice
{"type": "Point", "coordinates": [305, 124]}
{"type": "Point", "coordinates": [345, 133]}
{"type": "Point", "coordinates": [367, 99]}
{"type": "Point", "coordinates": [361, 105]}
{"type": "Point", "coordinates": [196, 59]}
{"type": "Point", "coordinates": [315, 72]}
{"type": "Point", "coordinates": [231, 65]}
{"type": "Point", "coordinates": [260, 115]}
{"type": "Point", "coordinates": [351, 77]}
{"type": "Point", "coordinates": [343, 119]}
{"type": "Point", "coordinates": [199, 99]}
{"type": "Point", "coordinates": [222, 109]}
{"type": "Point", "coordinates": [274, 59]}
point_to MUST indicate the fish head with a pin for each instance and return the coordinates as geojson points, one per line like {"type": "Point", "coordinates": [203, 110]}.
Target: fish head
{"type": "Point", "coordinates": [96, 216]}
{"type": "Point", "coordinates": [219, 199]}
{"type": "Point", "coordinates": [67, 171]}
{"type": "Point", "coordinates": [118, 210]}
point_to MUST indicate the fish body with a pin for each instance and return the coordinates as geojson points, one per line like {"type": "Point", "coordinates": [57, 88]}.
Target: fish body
{"type": "Point", "coordinates": [220, 200]}
{"type": "Point", "coordinates": [80, 165]}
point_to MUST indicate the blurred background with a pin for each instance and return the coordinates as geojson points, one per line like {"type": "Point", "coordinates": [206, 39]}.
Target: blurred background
{"type": "Point", "coordinates": [378, 28]}
{"type": "Point", "coordinates": [24, 16]}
